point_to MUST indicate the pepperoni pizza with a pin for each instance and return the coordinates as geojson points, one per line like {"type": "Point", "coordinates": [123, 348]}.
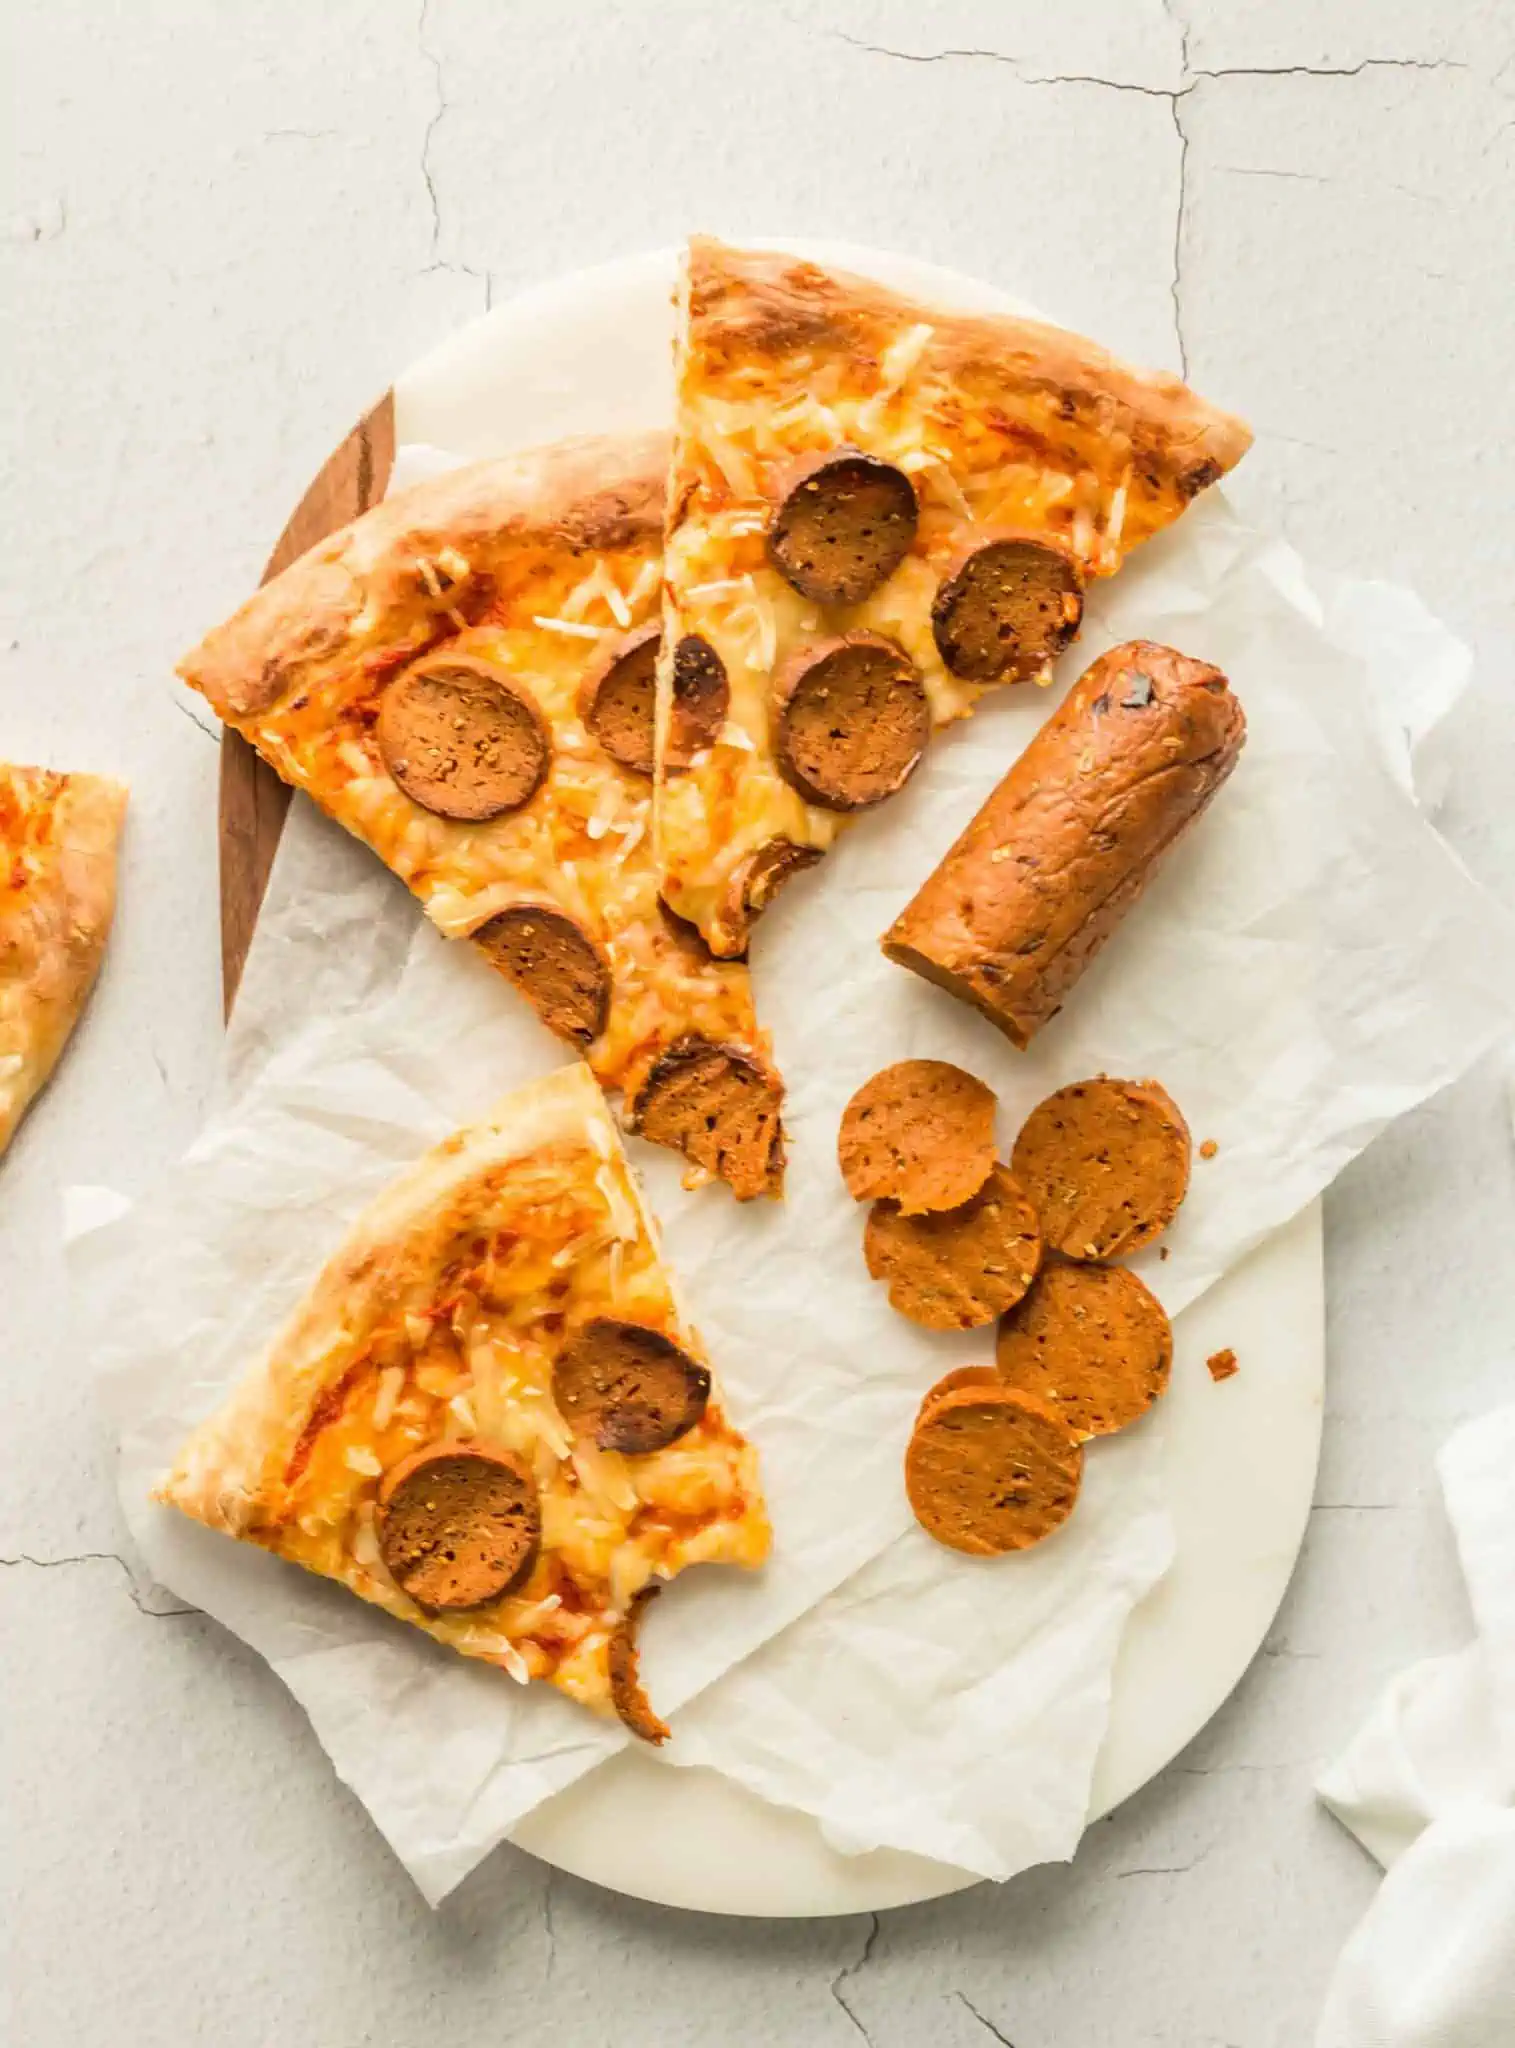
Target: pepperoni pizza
{"type": "Point", "coordinates": [489, 1417]}
{"type": "Point", "coordinates": [877, 511]}
{"type": "Point", "coordinates": [464, 679]}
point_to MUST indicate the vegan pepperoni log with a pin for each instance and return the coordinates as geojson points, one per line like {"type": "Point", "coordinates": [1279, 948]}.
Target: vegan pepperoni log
{"type": "Point", "coordinates": [459, 1524]}
{"type": "Point", "coordinates": [920, 1133]}
{"type": "Point", "coordinates": [1106, 1164]}
{"type": "Point", "coordinates": [1059, 852]}
{"type": "Point", "coordinates": [462, 740]}
{"type": "Point", "coordinates": [627, 1387]}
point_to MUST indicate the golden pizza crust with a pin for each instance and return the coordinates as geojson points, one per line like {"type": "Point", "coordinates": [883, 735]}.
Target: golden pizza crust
{"type": "Point", "coordinates": [413, 1336]}
{"type": "Point", "coordinates": [1003, 426]}
{"type": "Point", "coordinates": [517, 574]}
{"type": "Point", "coordinates": [58, 841]}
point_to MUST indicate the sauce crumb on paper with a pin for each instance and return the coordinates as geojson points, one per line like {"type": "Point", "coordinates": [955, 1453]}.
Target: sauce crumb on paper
{"type": "Point", "coordinates": [1223, 1365]}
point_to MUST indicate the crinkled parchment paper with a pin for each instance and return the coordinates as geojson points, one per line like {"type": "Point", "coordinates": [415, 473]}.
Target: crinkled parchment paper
{"type": "Point", "coordinates": [1312, 962]}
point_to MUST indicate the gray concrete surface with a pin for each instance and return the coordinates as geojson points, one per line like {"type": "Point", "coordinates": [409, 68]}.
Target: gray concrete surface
{"type": "Point", "coordinates": [225, 228]}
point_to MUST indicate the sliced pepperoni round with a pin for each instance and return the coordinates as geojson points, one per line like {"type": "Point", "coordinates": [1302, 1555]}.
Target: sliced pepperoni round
{"type": "Point", "coordinates": [852, 720]}
{"type": "Point", "coordinates": [1009, 605]}
{"type": "Point", "coordinates": [962, 1267]}
{"type": "Point", "coordinates": [618, 697]}
{"type": "Point", "coordinates": [758, 878]}
{"type": "Point", "coordinates": [843, 524]}
{"type": "Point", "coordinates": [1106, 1164]}
{"type": "Point", "coordinates": [627, 1697]}
{"type": "Point", "coordinates": [701, 695]}
{"type": "Point", "coordinates": [463, 740]}
{"type": "Point", "coordinates": [920, 1133]}
{"type": "Point", "coordinates": [627, 1387]}
{"type": "Point", "coordinates": [1090, 1342]}
{"type": "Point", "coordinates": [720, 1108]}
{"type": "Point", "coordinates": [989, 1471]}
{"type": "Point", "coordinates": [459, 1524]}
{"type": "Point", "coordinates": [555, 965]}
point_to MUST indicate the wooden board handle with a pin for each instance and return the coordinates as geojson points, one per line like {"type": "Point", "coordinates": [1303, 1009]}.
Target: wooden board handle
{"type": "Point", "coordinates": [253, 799]}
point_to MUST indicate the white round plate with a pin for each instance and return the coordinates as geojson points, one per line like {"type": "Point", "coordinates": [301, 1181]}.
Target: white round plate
{"type": "Point", "coordinates": [589, 354]}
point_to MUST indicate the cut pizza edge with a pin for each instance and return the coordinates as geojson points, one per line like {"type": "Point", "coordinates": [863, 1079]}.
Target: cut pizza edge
{"type": "Point", "coordinates": [877, 510]}
{"type": "Point", "coordinates": [59, 842]}
{"type": "Point", "coordinates": [489, 1416]}
{"type": "Point", "coordinates": [413, 673]}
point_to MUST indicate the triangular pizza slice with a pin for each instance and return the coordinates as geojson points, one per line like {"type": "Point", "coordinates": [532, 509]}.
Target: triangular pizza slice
{"type": "Point", "coordinates": [58, 838]}
{"type": "Point", "coordinates": [489, 1416]}
{"type": "Point", "coordinates": [463, 678]}
{"type": "Point", "coordinates": [877, 511]}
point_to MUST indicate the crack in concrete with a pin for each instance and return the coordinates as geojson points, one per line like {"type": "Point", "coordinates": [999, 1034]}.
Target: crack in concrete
{"type": "Point", "coordinates": [853, 1969]}
{"type": "Point", "coordinates": [195, 719]}
{"type": "Point", "coordinates": [53, 1564]}
{"type": "Point", "coordinates": [439, 113]}
{"type": "Point", "coordinates": [1181, 210]}
{"type": "Point", "coordinates": [987, 2024]}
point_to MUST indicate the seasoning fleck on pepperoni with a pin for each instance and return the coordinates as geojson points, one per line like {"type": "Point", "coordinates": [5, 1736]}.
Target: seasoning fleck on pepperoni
{"type": "Point", "coordinates": [718, 1106]}
{"type": "Point", "coordinates": [844, 523]}
{"type": "Point", "coordinates": [961, 1267]}
{"type": "Point", "coordinates": [461, 739]}
{"type": "Point", "coordinates": [701, 695]}
{"type": "Point", "coordinates": [1092, 1343]}
{"type": "Point", "coordinates": [459, 1524]}
{"type": "Point", "coordinates": [555, 965]}
{"type": "Point", "coordinates": [989, 1471]}
{"type": "Point", "coordinates": [920, 1133]}
{"type": "Point", "coordinates": [852, 720]}
{"type": "Point", "coordinates": [1106, 1164]}
{"type": "Point", "coordinates": [626, 1694]}
{"type": "Point", "coordinates": [618, 698]}
{"type": "Point", "coordinates": [627, 1387]}
{"type": "Point", "coordinates": [1009, 605]}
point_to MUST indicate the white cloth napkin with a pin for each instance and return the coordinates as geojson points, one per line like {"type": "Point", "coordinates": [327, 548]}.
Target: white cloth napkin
{"type": "Point", "coordinates": [1428, 1787]}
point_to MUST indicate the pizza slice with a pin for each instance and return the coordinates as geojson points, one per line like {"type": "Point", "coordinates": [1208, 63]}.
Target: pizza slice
{"type": "Point", "coordinates": [877, 512]}
{"type": "Point", "coordinates": [58, 838]}
{"type": "Point", "coordinates": [463, 678]}
{"type": "Point", "coordinates": [489, 1416]}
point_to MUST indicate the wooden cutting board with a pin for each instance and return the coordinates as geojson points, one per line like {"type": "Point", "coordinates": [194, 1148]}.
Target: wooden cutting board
{"type": "Point", "coordinates": [253, 799]}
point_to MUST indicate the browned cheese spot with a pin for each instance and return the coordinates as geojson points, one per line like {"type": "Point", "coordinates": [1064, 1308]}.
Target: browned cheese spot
{"type": "Point", "coordinates": [700, 698]}
{"type": "Point", "coordinates": [989, 1471]}
{"type": "Point", "coordinates": [462, 740]}
{"type": "Point", "coordinates": [844, 522]}
{"type": "Point", "coordinates": [555, 965]}
{"type": "Point", "coordinates": [959, 1268]}
{"type": "Point", "coordinates": [618, 698]}
{"type": "Point", "coordinates": [718, 1106]}
{"type": "Point", "coordinates": [1106, 1164]}
{"type": "Point", "coordinates": [921, 1134]}
{"type": "Point", "coordinates": [852, 720]}
{"type": "Point", "coordinates": [1092, 1343]}
{"type": "Point", "coordinates": [627, 1696]}
{"type": "Point", "coordinates": [628, 1388]}
{"type": "Point", "coordinates": [1008, 607]}
{"type": "Point", "coordinates": [459, 1524]}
